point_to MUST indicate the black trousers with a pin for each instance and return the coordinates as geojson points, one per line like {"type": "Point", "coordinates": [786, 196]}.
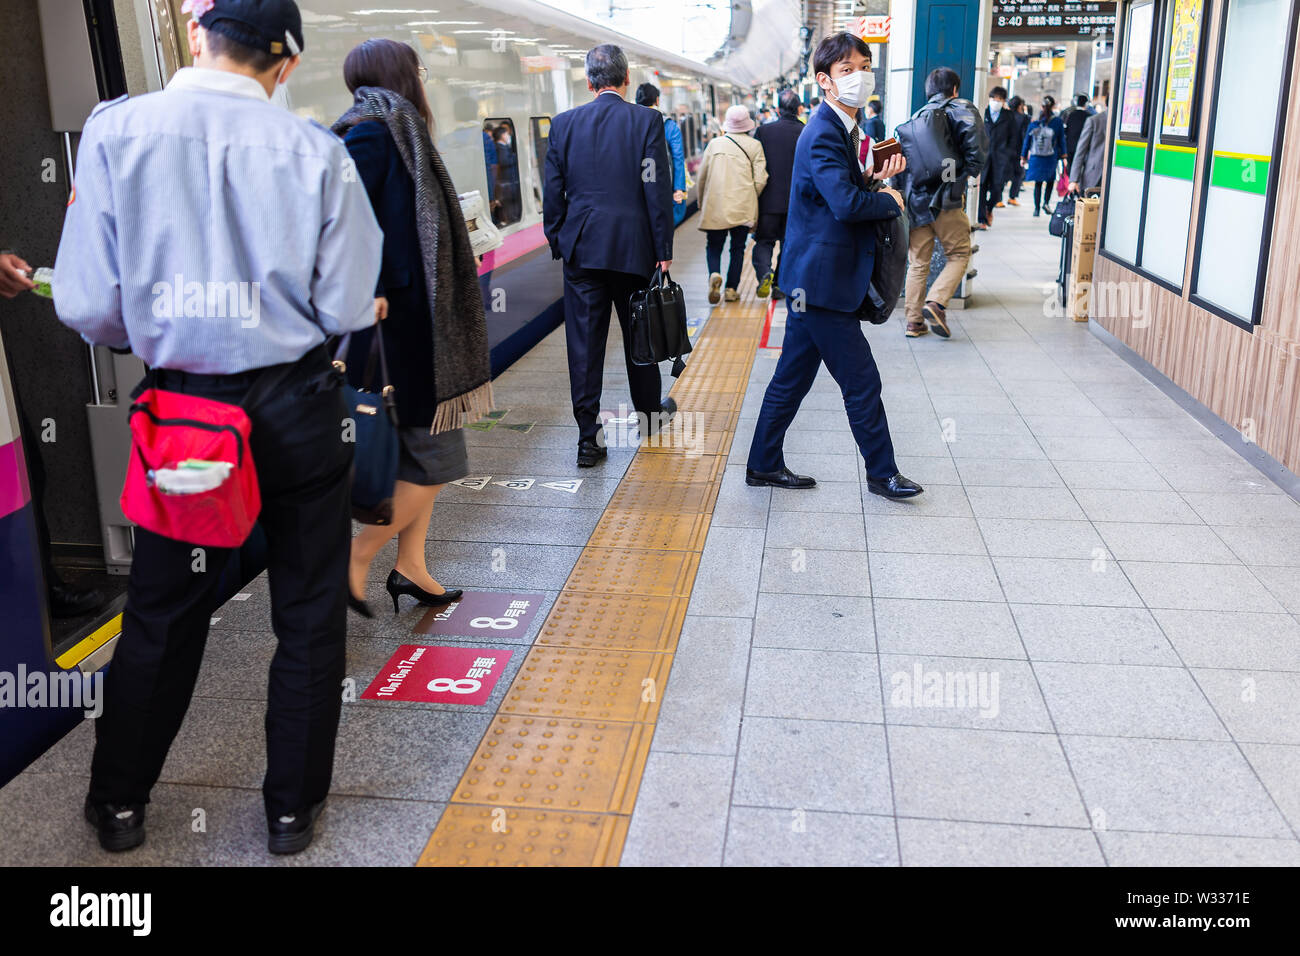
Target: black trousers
{"type": "Point", "coordinates": [716, 239]}
{"type": "Point", "coordinates": [990, 196]}
{"type": "Point", "coordinates": [769, 231]}
{"type": "Point", "coordinates": [1017, 179]}
{"type": "Point", "coordinates": [588, 296]}
{"type": "Point", "coordinates": [302, 464]}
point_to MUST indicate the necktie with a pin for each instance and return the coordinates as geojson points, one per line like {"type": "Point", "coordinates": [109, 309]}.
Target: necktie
{"type": "Point", "coordinates": [856, 137]}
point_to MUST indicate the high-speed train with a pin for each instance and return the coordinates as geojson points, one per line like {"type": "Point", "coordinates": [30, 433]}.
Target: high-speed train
{"type": "Point", "coordinates": [497, 72]}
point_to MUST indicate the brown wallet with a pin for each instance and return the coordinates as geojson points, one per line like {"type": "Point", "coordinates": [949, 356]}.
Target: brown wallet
{"type": "Point", "coordinates": [882, 150]}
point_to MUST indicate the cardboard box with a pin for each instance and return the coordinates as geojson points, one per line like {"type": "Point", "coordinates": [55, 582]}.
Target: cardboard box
{"type": "Point", "coordinates": [1086, 214]}
{"type": "Point", "coordinates": [1082, 256]}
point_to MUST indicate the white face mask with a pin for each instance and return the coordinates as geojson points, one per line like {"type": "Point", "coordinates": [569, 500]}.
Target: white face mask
{"type": "Point", "coordinates": [280, 92]}
{"type": "Point", "coordinates": [995, 107]}
{"type": "Point", "coordinates": [852, 90]}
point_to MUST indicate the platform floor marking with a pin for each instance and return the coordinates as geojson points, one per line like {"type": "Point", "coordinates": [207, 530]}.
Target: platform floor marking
{"type": "Point", "coordinates": [554, 779]}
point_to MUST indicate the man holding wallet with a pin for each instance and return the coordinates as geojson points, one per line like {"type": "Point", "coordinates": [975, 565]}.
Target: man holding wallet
{"type": "Point", "coordinates": [825, 271]}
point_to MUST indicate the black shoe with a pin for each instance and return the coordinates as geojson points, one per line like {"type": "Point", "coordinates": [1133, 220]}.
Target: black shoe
{"type": "Point", "coordinates": [777, 294]}
{"type": "Point", "coordinates": [399, 584]}
{"type": "Point", "coordinates": [360, 606]}
{"type": "Point", "coordinates": [896, 487]}
{"type": "Point", "coordinates": [785, 478]}
{"type": "Point", "coordinates": [293, 832]}
{"type": "Point", "coordinates": [590, 451]}
{"type": "Point", "coordinates": [656, 423]}
{"type": "Point", "coordinates": [120, 826]}
{"type": "Point", "coordinates": [67, 601]}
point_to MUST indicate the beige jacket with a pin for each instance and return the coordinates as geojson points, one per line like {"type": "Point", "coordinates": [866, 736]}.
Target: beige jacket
{"type": "Point", "coordinates": [732, 174]}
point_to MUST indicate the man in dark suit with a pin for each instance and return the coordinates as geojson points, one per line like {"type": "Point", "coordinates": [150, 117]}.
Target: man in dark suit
{"type": "Point", "coordinates": [825, 272]}
{"type": "Point", "coordinates": [1004, 152]}
{"type": "Point", "coordinates": [778, 140]}
{"type": "Point", "coordinates": [607, 211]}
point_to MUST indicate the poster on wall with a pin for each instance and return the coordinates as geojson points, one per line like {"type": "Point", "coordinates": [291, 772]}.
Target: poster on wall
{"type": "Point", "coordinates": [1137, 56]}
{"type": "Point", "coordinates": [1180, 84]}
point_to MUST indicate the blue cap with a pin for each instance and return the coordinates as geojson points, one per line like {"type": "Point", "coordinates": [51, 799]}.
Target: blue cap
{"type": "Point", "coordinates": [273, 26]}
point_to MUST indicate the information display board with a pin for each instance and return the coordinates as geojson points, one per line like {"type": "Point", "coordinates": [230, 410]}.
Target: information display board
{"type": "Point", "coordinates": [1052, 19]}
{"type": "Point", "coordinates": [1181, 81]}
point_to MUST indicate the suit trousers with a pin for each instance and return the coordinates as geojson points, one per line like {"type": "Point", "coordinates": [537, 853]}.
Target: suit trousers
{"type": "Point", "coordinates": [812, 337]}
{"type": "Point", "coordinates": [952, 229]}
{"type": "Point", "coordinates": [302, 463]}
{"type": "Point", "coordinates": [588, 297]}
{"type": "Point", "coordinates": [990, 196]}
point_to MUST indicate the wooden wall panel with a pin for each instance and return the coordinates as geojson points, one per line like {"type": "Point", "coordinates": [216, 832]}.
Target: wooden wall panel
{"type": "Point", "coordinates": [1241, 376]}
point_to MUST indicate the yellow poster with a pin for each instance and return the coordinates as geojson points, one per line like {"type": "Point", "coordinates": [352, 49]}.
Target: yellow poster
{"type": "Point", "coordinates": [1180, 82]}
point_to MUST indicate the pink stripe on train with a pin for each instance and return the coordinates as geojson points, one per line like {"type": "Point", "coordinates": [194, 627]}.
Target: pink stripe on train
{"type": "Point", "coordinates": [14, 490]}
{"type": "Point", "coordinates": [515, 245]}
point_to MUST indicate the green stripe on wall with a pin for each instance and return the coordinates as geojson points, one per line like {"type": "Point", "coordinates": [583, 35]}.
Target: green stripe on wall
{"type": "Point", "coordinates": [1232, 172]}
{"type": "Point", "coordinates": [1130, 155]}
{"type": "Point", "coordinates": [1174, 162]}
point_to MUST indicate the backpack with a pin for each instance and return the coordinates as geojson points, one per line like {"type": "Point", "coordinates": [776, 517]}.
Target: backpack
{"type": "Point", "coordinates": [926, 141]}
{"type": "Point", "coordinates": [888, 272]}
{"type": "Point", "coordinates": [1042, 141]}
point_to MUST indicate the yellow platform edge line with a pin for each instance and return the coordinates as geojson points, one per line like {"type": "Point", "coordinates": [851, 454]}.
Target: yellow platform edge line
{"type": "Point", "coordinates": [79, 651]}
{"type": "Point", "coordinates": [733, 329]}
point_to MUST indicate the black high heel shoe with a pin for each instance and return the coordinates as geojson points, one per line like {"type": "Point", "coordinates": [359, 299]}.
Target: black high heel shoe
{"type": "Point", "coordinates": [399, 584]}
{"type": "Point", "coordinates": [360, 606]}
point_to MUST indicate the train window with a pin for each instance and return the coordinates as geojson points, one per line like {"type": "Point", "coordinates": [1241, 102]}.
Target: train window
{"type": "Point", "coordinates": [501, 156]}
{"type": "Point", "coordinates": [541, 128]}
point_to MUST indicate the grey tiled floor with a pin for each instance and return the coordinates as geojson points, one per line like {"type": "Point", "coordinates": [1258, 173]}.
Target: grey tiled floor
{"type": "Point", "coordinates": [1120, 581]}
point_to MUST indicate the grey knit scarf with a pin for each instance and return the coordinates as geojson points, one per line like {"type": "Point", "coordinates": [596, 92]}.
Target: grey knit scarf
{"type": "Point", "coordinates": [462, 370]}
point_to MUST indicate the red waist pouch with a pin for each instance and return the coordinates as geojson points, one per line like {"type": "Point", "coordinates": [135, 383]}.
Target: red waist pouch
{"type": "Point", "coordinates": [168, 428]}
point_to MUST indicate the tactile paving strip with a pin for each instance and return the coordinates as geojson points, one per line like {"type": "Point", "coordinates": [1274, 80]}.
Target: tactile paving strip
{"type": "Point", "coordinates": [555, 777]}
{"type": "Point", "coordinates": [633, 622]}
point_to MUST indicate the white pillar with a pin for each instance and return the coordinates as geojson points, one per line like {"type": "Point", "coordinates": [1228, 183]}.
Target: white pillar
{"type": "Point", "coordinates": [898, 83]}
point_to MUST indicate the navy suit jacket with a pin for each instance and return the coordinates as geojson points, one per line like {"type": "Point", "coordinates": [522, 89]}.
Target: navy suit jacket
{"type": "Point", "coordinates": [830, 240]}
{"type": "Point", "coordinates": [392, 194]}
{"type": "Point", "coordinates": [608, 200]}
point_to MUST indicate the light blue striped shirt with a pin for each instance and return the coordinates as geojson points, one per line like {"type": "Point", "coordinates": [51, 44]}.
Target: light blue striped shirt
{"type": "Point", "coordinates": [214, 232]}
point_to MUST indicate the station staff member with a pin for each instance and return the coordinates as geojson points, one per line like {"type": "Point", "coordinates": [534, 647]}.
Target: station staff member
{"type": "Point", "coordinates": [200, 185]}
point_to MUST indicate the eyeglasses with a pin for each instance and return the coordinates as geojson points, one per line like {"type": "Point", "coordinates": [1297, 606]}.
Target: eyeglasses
{"type": "Point", "coordinates": [424, 74]}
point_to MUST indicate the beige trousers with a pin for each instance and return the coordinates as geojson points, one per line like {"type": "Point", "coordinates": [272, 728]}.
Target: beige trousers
{"type": "Point", "coordinates": [952, 229]}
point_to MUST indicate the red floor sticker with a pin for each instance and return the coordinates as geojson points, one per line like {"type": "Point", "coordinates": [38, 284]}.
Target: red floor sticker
{"type": "Point", "coordinates": [443, 675]}
{"type": "Point", "coordinates": [482, 614]}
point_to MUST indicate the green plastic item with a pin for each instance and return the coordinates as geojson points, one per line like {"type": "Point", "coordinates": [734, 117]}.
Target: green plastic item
{"type": "Point", "coordinates": [44, 278]}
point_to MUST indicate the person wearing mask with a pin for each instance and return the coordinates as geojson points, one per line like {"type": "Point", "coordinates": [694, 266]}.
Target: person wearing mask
{"type": "Point", "coordinates": [433, 333]}
{"type": "Point", "coordinates": [778, 141]}
{"type": "Point", "coordinates": [1004, 146]}
{"type": "Point", "coordinates": [1020, 114]}
{"type": "Point", "coordinates": [937, 210]}
{"type": "Point", "coordinates": [875, 125]}
{"type": "Point", "coordinates": [612, 225]}
{"type": "Point", "coordinates": [1089, 160]}
{"type": "Point", "coordinates": [507, 171]}
{"type": "Point", "coordinates": [209, 180]}
{"type": "Point", "coordinates": [647, 94]}
{"type": "Point", "coordinates": [826, 272]}
{"type": "Point", "coordinates": [732, 175]}
{"type": "Point", "coordinates": [1073, 120]}
{"type": "Point", "coordinates": [1041, 153]}
{"type": "Point", "coordinates": [63, 599]}
{"type": "Point", "coordinates": [490, 161]}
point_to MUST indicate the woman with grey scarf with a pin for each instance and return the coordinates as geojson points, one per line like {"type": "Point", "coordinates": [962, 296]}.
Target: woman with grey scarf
{"type": "Point", "coordinates": [429, 304]}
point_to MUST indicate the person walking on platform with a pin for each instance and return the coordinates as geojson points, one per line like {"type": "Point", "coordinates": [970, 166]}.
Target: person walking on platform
{"type": "Point", "coordinates": [826, 274]}
{"type": "Point", "coordinates": [937, 209]}
{"type": "Point", "coordinates": [1004, 147]}
{"type": "Point", "coordinates": [778, 141]}
{"type": "Point", "coordinates": [1072, 121]}
{"type": "Point", "coordinates": [607, 211]}
{"type": "Point", "coordinates": [647, 94]}
{"type": "Point", "coordinates": [1041, 153]}
{"type": "Point", "coordinates": [875, 125]}
{"type": "Point", "coordinates": [732, 175]}
{"type": "Point", "coordinates": [1020, 114]}
{"type": "Point", "coordinates": [209, 184]}
{"type": "Point", "coordinates": [434, 333]}
{"type": "Point", "coordinates": [1089, 160]}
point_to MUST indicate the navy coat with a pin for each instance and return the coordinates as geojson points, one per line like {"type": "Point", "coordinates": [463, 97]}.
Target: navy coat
{"type": "Point", "coordinates": [1043, 168]}
{"type": "Point", "coordinates": [608, 200]}
{"type": "Point", "coordinates": [830, 237]}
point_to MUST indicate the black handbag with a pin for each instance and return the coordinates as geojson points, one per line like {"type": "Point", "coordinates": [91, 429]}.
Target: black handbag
{"type": "Point", "coordinates": [374, 429]}
{"type": "Point", "coordinates": [1062, 216]}
{"type": "Point", "coordinates": [888, 270]}
{"type": "Point", "coordinates": [658, 323]}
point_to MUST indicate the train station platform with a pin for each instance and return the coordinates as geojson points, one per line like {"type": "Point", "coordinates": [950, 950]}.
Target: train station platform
{"type": "Point", "coordinates": [1079, 646]}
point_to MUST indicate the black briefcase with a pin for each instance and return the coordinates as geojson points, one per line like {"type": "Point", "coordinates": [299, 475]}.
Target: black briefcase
{"type": "Point", "coordinates": [658, 323]}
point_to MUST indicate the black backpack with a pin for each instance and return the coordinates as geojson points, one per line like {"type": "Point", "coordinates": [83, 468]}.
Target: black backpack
{"type": "Point", "coordinates": [888, 272]}
{"type": "Point", "coordinates": [926, 141]}
{"type": "Point", "coordinates": [1061, 215]}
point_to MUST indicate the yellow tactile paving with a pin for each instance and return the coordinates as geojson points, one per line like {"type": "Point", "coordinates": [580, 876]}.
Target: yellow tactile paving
{"type": "Point", "coordinates": [555, 777]}
{"type": "Point", "coordinates": [589, 684]}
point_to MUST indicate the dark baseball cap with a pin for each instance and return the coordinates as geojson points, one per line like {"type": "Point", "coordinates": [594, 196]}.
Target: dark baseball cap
{"type": "Point", "coordinates": [273, 26]}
